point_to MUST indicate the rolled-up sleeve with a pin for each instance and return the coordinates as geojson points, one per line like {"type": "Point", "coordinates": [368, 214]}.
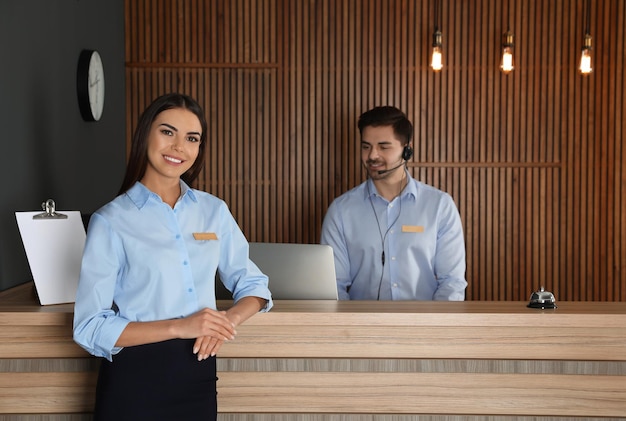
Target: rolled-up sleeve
{"type": "Point", "coordinates": [97, 327]}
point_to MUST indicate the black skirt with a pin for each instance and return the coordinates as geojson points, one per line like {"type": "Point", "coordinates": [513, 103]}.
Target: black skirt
{"type": "Point", "coordinates": [160, 381]}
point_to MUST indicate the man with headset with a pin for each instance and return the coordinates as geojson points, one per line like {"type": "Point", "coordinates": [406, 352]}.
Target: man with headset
{"type": "Point", "coordinates": [393, 237]}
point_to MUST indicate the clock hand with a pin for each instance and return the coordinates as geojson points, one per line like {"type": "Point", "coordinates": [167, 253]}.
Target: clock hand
{"type": "Point", "coordinates": [95, 82]}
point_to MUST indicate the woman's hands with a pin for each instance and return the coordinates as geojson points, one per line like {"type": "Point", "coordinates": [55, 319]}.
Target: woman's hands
{"type": "Point", "coordinates": [210, 328]}
{"type": "Point", "coordinates": [208, 346]}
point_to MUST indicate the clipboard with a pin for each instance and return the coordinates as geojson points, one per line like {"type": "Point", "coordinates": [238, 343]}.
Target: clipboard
{"type": "Point", "coordinates": [54, 244]}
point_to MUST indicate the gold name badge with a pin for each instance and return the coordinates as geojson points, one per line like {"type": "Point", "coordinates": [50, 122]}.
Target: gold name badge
{"type": "Point", "coordinates": [412, 228]}
{"type": "Point", "coordinates": [204, 236]}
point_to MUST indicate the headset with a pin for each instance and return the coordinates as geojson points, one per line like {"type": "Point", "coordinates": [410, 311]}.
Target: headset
{"type": "Point", "coordinates": [407, 153]}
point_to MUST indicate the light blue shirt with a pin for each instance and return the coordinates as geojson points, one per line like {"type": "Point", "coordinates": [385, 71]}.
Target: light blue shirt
{"type": "Point", "coordinates": [424, 248]}
{"type": "Point", "coordinates": [142, 262]}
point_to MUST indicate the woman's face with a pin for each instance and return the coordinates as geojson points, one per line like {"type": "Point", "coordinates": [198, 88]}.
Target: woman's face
{"type": "Point", "coordinates": [173, 144]}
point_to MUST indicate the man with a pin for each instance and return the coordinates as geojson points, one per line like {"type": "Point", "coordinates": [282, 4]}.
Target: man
{"type": "Point", "coordinates": [393, 237]}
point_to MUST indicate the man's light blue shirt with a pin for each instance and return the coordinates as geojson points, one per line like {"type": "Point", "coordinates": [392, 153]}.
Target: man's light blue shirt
{"type": "Point", "coordinates": [424, 247]}
{"type": "Point", "coordinates": [142, 262]}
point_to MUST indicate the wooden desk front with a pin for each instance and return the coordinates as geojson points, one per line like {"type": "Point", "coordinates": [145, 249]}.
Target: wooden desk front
{"type": "Point", "coordinates": [387, 358]}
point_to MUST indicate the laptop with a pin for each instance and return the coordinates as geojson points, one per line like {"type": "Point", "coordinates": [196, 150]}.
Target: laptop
{"type": "Point", "coordinates": [295, 271]}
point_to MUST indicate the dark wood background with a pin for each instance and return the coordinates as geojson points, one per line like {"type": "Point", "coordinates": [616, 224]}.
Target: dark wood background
{"type": "Point", "coordinates": [534, 159]}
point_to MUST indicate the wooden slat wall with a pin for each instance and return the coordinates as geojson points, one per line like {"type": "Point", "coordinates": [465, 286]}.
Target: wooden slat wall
{"type": "Point", "coordinates": [534, 159]}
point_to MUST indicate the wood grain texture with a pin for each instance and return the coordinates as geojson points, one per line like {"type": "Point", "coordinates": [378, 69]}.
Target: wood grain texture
{"type": "Point", "coordinates": [423, 393]}
{"type": "Point", "coordinates": [349, 392]}
{"type": "Point", "coordinates": [533, 159]}
{"type": "Point", "coordinates": [367, 329]}
{"type": "Point", "coordinates": [34, 393]}
{"type": "Point", "coordinates": [331, 357]}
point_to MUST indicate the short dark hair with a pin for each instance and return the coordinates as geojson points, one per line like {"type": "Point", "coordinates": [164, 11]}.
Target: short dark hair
{"type": "Point", "coordinates": [138, 159]}
{"type": "Point", "coordinates": [388, 116]}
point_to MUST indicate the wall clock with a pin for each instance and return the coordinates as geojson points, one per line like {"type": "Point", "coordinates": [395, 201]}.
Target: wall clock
{"type": "Point", "coordinates": [90, 85]}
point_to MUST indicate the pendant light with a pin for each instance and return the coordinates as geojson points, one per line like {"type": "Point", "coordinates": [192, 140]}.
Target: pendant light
{"type": "Point", "coordinates": [506, 63]}
{"type": "Point", "coordinates": [585, 67]}
{"type": "Point", "coordinates": [436, 61]}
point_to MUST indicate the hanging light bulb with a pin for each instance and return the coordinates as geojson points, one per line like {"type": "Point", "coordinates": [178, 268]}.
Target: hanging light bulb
{"type": "Point", "coordinates": [436, 61]}
{"type": "Point", "coordinates": [506, 65]}
{"type": "Point", "coordinates": [585, 57]}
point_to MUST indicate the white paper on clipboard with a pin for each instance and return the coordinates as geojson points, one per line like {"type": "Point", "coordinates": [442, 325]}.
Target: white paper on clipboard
{"type": "Point", "coordinates": [54, 248]}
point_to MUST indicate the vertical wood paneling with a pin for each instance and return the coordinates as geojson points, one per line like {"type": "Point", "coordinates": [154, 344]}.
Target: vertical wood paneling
{"type": "Point", "coordinates": [618, 13]}
{"type": "Point", "coordinates": [534, 159]}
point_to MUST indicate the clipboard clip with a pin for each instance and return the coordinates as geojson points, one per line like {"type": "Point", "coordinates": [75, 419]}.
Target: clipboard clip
{"type": "Point", "coordinates": [50, 212]}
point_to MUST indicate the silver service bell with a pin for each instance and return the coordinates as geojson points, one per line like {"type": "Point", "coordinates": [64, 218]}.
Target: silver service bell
{"type": "Point", "coordinates": [542, 299]}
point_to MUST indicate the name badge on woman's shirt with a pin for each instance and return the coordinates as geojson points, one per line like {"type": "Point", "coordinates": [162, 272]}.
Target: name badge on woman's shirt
{"type": "Point", "coordinates": [412, 228]}
{"type": "Point", "coordinates": [205, 236]}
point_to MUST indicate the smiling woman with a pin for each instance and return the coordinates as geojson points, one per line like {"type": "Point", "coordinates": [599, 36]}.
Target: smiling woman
{"type": "Point", "coordinates": [155, 320]}
{"type": "Point", "coordinates": [138, 159]}
{"type": "Point", "coordinates": [173, 147]}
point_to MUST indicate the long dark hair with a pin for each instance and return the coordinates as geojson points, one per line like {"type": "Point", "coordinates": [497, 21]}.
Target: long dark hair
{"type": "Point", "coordinates": [138, 159]}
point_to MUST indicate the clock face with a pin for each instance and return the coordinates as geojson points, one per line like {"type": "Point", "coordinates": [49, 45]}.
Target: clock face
{"type": "Point", "coordinates": [96, 85]}
{"type": "Point", "coordinates": [90, 85]}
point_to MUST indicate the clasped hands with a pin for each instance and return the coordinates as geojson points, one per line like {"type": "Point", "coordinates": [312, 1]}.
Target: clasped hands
{"type": "Point", "coordinates": [211, 328]}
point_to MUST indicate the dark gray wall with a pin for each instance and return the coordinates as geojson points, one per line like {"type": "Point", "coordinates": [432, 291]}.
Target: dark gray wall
{"type": "Point", "coordinates": [48, 151]}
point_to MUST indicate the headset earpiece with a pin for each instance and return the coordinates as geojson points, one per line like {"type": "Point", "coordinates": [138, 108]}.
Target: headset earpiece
{"type": "Point", "coordinates": [407, 153]}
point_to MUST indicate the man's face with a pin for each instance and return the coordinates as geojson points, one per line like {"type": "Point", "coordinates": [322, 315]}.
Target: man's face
{"type": "Point", "coordinates": [380, 151]}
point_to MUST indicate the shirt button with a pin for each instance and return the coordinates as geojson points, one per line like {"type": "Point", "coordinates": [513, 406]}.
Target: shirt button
{"type": "Point", "coordinates": [395, 285]}
{"type": "Point", "coordinates": [185, 263]}
{"type": "Point", "coordinates": [393, 257]}
{"type": "Point", "coordinates": [190, 290]}
{"type": "Point", "coordinates": [177, 236]}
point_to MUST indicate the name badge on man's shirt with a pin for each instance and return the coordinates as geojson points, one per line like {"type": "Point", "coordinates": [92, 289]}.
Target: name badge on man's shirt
{"type": "Point", "coordinates": [204, 236]}
{"type": "Point", "coordinates": [412, 228]}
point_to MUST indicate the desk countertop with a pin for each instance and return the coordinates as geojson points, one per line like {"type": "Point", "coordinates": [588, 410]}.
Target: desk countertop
{"type": "Point", "coordinates": [22, 299]}
{"type": "Point", "coordinates": [498, 358]}
{"type": "Point", "coordinates": [367, 329]}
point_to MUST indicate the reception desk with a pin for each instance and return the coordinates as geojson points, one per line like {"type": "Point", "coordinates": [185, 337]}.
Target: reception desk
{"type": "Point", "coordinates": [345, 360]}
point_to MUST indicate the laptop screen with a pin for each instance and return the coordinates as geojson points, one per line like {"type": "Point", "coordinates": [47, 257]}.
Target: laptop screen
{"type": "Point", "coordinates": [295, 271]}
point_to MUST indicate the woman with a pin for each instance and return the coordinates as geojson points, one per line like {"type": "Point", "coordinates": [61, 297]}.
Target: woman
{"type": "Point", "coordinates": [146, 295]}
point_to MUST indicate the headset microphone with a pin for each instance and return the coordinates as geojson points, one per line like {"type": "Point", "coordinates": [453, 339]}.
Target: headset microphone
{"type": "Point", "coordinates": [407, 153]}
{"type": "Point", "coordinates": [390, 169]}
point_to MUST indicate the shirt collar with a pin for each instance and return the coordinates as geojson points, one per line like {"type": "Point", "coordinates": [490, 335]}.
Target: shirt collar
{"type": "Point", "coordinates": [186, 191]}
{"type": "Point", "coordinates": [139, 194]}
{"type": "Point", "coordinates": [409, 190]}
